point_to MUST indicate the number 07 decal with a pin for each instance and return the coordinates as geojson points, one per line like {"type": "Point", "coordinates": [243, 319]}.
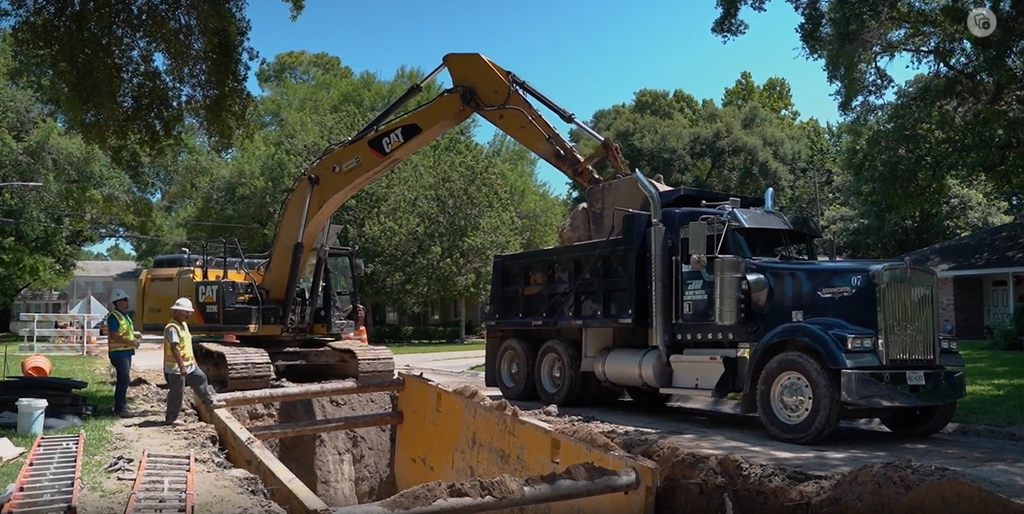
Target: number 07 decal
{"type": "Point", "coordinates": [856, 280]}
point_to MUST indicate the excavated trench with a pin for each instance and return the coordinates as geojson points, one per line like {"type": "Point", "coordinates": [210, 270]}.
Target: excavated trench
{"type": "Point", "coordinates": [355, 467]}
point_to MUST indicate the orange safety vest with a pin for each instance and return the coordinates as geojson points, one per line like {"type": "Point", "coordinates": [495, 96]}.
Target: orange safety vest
{"type": "Point", "coordinates": [184, 346]}
{"type": "Point", "coordinates": [125, 329]}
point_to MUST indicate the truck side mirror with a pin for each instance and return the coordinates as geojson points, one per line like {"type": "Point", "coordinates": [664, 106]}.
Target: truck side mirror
{"type": "Point", "coordinates": [358, 267]}
{"type": "Point", "coordinates": [698, 238]}
{"type": "Point", "coordinates": [831, 249]}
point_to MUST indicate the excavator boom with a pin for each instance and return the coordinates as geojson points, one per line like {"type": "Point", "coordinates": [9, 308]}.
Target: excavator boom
{"type": "Point", "coordinates": [480, 87]}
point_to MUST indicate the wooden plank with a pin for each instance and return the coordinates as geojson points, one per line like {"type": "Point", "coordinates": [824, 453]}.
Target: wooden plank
{"type": "Point", "coordinates": [248, 453]}
{"type": "Point", "coordinates": [317, 426]}
{"type": "Point", "coordinates": [305, 392]}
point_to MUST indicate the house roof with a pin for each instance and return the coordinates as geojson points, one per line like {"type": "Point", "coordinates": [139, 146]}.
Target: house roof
{"type": "Point", "coordinates": [120, 269]}
{"type": "Point", "coordinates": [992, 248]}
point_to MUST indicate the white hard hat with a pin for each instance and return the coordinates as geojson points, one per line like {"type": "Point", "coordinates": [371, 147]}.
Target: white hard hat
{"type": "Point", "coordinates": [119, 294]}
{"type": "Point", "coordinates": [182, 304]}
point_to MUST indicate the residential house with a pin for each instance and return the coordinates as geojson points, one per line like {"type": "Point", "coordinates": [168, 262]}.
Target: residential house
{"type": "Point", "coordinates": [101, 278]}
{"type": "Point", "coordinates": [98, 278]}
{"type": "Point", "coordinates": [981, 277]}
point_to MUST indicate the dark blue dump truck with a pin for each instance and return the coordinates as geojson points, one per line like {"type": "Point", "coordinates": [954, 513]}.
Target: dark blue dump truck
{"type": "Point", "coordinates": [721, 302]}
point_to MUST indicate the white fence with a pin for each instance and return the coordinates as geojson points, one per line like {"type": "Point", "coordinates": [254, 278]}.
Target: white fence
{"type": "Point", "coordinates": [41, 337]}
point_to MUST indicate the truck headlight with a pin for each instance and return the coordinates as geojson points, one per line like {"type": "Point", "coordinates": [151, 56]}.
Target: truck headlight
{"type": "Point", "coordinates": [860, 343]}
{"type": "Point", "coordinates": [949, 345]}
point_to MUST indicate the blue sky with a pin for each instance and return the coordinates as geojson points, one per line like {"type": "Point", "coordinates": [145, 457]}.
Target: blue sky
{"type": "Point", "coordinates": [583, 55]}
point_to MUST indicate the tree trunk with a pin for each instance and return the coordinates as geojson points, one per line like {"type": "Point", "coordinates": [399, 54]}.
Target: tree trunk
{"type": "Point", "coordinates": [462, 319]}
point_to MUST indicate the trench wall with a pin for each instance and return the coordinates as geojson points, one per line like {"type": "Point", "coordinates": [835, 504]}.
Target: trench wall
{"type": "Point", "coordinates": [446, 436]}
{"type": "Point", "coordinates": [449, 437]}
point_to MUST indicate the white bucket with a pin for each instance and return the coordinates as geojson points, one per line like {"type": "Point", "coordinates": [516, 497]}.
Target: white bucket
{"type": "Point", "coordinates": [31, 414]}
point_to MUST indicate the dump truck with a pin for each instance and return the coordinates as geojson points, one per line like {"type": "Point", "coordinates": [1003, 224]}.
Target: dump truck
{"type": "Point", "coordinates": [720, 301]}
{"type": "Point", "coordinates": [289, 312]}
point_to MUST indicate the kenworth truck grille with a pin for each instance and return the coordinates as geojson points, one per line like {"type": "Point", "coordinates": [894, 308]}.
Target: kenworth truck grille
{"type": "Point", "coordinates": [907, 315]}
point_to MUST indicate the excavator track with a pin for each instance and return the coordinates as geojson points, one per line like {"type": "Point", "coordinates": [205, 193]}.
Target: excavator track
{"type": "Point", "coordinates": [238, 367]}
{"type": "Point", "coordinates": [235, 367]}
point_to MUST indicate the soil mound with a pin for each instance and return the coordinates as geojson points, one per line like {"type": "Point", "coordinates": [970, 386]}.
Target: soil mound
{"type": "Point", "coordinates": [714, 484]}
{"type": "Point", "coordinates": [478, 396]}
{"type": "Point", "coordinates": [503, 487]}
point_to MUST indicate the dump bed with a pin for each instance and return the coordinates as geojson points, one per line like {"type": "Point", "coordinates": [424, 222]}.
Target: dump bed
{"type": "Point", "coordinates": [591, 284]}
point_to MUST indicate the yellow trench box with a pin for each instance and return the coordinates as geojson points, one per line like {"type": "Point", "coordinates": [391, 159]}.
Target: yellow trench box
{"type": "Point", "coordinates": [446, 436]}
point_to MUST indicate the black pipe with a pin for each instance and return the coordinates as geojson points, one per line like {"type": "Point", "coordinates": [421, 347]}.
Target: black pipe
{"type": "Point", "coordinates": [562, 490]}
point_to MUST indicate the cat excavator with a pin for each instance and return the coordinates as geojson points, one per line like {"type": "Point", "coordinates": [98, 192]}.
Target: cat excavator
{"type": "Point", "coordinates": [286, 313]}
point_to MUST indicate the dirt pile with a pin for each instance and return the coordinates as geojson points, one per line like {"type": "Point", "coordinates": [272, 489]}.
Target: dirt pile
{"type": "Point", "coordinates": [716, 484]}
{"type": "Point", "coordinates": [477, 395]}
{"type": "Point", "coordinates": [503, 487]}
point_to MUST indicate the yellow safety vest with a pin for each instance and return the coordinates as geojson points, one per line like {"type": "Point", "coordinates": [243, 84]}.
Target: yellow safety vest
{"type": "Point", "coordinates": [125, 329]}
{"type": "Point", "coordinates": [184, 346]}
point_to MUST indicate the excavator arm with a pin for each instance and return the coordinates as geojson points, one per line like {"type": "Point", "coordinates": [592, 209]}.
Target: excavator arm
{"type": "Point", "coordinates": [480, 87]}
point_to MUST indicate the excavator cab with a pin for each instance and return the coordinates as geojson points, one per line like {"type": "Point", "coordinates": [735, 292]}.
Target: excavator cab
{"type": "Point", "coordinates": [327, 294]}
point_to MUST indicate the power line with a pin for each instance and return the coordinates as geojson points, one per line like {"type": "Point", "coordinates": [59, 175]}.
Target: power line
{"type": "Point", "coordinates": [107, 235]}
{"type": "Point", "coordinates": [112, 217]}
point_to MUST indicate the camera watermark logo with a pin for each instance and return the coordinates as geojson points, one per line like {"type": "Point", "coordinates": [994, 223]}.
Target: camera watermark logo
{"type": "Point", "coordinates": [981, 22]}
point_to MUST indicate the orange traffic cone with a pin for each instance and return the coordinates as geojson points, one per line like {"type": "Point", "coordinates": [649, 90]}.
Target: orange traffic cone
{"type": "Point", "coordinates": [361, 336]}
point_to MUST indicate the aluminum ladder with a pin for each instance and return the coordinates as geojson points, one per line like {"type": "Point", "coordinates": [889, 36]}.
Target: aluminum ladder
{"type": "Point", "coordinates": [51, 478]}
{"type": "Point", "coordinates": [163, 483]}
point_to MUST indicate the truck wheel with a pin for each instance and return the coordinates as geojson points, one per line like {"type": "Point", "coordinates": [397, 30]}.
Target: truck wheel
{"type": "Point", "coordinates": [644, 396]}
{"type": "Point", "coordinates": [920, 421]}
{"type": "Point", "coordinates": [796, 399]}
{"type": "Point", "coordinates": [515, 370]}
{"type": "Point", "coordinates": [557, 373]}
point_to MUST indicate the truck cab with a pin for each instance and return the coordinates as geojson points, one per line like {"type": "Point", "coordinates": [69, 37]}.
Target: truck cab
{"type": "Point", "coordinates": [723, 302]}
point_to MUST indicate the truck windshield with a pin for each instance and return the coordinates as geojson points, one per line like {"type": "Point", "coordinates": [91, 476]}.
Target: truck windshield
{"type": "Point", "coordinates": [764, 243]}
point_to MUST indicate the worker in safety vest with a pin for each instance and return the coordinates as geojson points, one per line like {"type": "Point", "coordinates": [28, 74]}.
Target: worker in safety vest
{"type": "Point", "coordinates": [122, 340]}
{"type": "Point", "coordinates": [180, 367]}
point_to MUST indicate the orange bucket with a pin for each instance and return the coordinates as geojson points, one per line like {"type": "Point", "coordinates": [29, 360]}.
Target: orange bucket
{"type": "Point", "coordinates": [37, 366]}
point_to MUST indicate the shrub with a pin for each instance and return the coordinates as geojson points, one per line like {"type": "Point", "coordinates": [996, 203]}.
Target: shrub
{"type": "Point", "coordinates": [1006, 336]}
{"type": "Point", "coordinates": [394, 334]}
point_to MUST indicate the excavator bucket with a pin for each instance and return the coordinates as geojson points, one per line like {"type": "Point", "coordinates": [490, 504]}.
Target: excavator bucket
{"type": "Point", "coordinates": [452, 450]}
{"type": "Point", "coordinates": [597, 217]}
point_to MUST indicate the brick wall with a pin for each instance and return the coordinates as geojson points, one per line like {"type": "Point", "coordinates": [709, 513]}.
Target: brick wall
{"type": "Point", "coordinates": [969, 302]}
{"type": "Point", "coordinates": [947, 303]}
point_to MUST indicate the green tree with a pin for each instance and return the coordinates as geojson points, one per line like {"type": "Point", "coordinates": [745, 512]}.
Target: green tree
{"type": "Point", "coordinates": [130, 74]}
{"type": "Point", "coordinates": [42, 229]}
{"type": "Point", "coordinates": [971, 85]}
{"type": "Point", "coordinates": [750, 143]}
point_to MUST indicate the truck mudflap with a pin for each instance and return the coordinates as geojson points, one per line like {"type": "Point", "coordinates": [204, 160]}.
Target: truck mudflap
{"type": "Point", "coordinates": [913, 388]}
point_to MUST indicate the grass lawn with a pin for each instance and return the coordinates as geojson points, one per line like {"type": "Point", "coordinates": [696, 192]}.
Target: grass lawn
{"type": "Point", "coordinates": [425, 347]}
{"type": "Point", "coordinates": [995, 387]}
{"type": "Point", "coordinates": [93, 370]}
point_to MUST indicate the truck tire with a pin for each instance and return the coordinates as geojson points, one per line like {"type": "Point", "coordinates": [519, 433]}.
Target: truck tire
{"type": "Point", "coordinates": [514, 363]}
{"type": "Point", "coordinates": [557, 373]}
{"type": "Point", "coordinates": [813, 411]}
{"type": "Point", "coordinates": [920, 421]}
{"type": "Point", "coordinates": [644, 396]}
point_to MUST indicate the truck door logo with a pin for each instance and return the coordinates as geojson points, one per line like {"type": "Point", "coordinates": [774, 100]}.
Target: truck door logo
{"type": "Point", "coordinates": [388, 142]}
{"type": "Point", "coordinates": [208, 294]}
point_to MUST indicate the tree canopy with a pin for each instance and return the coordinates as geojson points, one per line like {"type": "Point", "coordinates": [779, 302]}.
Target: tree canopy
{"type": "Point", "coordinates": [129, 75]}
